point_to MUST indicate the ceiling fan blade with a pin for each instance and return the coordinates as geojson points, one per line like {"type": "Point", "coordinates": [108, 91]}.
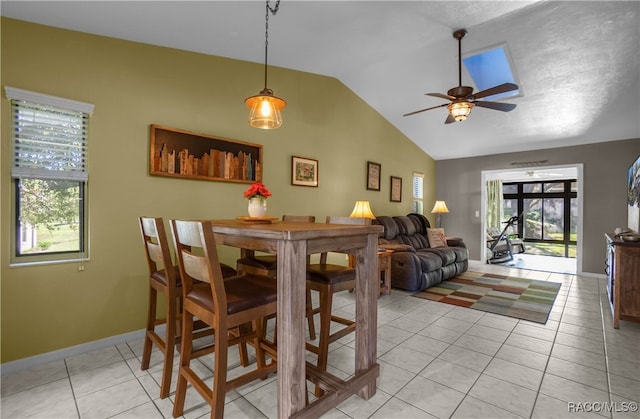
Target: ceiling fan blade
{"type": "Point", "coordinates": [498, 106]}
{"type": "Point", "coordinates": [449, 119]}
{"type": "Point", "coordinates": [440, 95]}
{"type": "Point", "coordinates": [501, 88]}
{"type": "Point", "coordinates": [427, 109]}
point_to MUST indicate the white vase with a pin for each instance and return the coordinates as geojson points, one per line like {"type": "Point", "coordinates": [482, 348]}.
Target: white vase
{"type": "Point", "coordinates": [257, 207]}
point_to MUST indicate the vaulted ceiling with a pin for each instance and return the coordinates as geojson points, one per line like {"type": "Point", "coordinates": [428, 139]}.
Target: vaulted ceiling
{"type": "Point", "coordinates": [578, 63]}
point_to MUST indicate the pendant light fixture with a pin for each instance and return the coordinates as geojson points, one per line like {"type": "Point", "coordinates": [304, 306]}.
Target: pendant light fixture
{"type": "Point", "coordinates": [264, 107]}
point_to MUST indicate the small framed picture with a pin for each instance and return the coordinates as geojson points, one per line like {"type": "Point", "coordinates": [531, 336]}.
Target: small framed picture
{"type": "Point", "coordinates": [373, 176]}
{"type": "Point", "coordinates": [304, 171]}
{"type": "Point", "coordinates": [396, 189]}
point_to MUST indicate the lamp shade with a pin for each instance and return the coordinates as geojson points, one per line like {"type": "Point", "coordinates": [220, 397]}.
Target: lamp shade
{"type": "Point", "coordinates": [460, 110]}
{"type": "Point", "coordinates": [362, 209]}
{"type": "Point", "coordinates": [440, 208]}
{"type": "Point", "coordinates": [265, 110]}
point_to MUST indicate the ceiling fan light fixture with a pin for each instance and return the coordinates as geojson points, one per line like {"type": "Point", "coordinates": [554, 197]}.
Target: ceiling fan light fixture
{"type": "Point", "coordinates": [462, 99]}
{"type": "Point", "coordinates": [265, 110]}
{"type": "Point", "coordinates": [460, 110]}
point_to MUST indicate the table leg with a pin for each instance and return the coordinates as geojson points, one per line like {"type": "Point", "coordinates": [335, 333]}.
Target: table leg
{"type": "Point", "coordinates": [292, 266]}
{"type": "Point", "coordinates": [367, 292]}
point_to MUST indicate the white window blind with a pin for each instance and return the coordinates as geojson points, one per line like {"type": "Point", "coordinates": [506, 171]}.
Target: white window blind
{"type": "Point", "coordinates": [418, 181]}
{"type": "Point", "coordinates": [50, 136]}
{"type": "Point", "coordinates": [417, 185]}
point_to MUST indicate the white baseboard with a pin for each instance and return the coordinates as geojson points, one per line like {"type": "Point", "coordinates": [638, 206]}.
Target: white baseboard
{"type": "Point", "coordinates": [32, 361]}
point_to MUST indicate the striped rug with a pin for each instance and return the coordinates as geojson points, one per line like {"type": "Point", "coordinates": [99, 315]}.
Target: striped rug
{"type": "Point", "coordinates": [522, 298]}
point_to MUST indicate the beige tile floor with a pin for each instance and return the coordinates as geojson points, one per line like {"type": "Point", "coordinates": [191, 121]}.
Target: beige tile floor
{"type": "Point", "coordinates": [437, 361]}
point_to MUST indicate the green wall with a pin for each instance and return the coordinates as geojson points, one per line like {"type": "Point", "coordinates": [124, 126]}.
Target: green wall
{"type": "Point", "coordinates": [50, 307]}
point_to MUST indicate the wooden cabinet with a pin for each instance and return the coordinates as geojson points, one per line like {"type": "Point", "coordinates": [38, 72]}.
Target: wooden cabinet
{"type": "Point", "coordinates": [623, 279]}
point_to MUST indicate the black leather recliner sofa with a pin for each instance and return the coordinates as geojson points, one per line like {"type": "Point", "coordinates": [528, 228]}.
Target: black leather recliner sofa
{"type": "Point", "coordinates": [415, 264]}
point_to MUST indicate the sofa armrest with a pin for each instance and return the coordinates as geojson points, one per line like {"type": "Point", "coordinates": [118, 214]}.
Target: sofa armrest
{"type": "Point", "coordinates": [397, 247]}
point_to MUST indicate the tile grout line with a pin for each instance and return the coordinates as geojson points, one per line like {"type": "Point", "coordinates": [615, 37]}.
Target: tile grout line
{"type": "Point", "coordinates": [555, 336]}
{"type": "Point", "coordinates": [73, 394]}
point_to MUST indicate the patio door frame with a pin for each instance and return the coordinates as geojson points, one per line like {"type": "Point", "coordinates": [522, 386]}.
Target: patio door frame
{"type": "Point", "coordinates": [495, 174]}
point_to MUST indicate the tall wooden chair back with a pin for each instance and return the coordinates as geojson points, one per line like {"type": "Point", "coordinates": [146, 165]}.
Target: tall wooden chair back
{"type": "Point", "coordinates": [267, 265]}
{"type": "Point", "coordinates": [223, 304]}
{"type": "Point", "coordinates": [164, 280]}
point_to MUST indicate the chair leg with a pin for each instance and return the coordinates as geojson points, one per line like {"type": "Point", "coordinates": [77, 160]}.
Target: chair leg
{"type": "Point", "coordinates": [220, 372]}
{"type": "Point", "coordinates": [260, 356]}
{"type": "Point", "coordinates": [170, 343]}
{"type": "Point", "coordinates": [325, 328]}
{"type": "Point", "coordinates": [151, 324]}
{"type": "Point", "coordinates": [242, 346]}
{"type": "Point", "coordinates": [186, 347]}
{"type": "Point", "coordinates": [312, 325]}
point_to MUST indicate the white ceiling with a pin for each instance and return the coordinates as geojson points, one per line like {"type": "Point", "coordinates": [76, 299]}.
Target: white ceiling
{"type": "Point", "coordinates": [578, 62]}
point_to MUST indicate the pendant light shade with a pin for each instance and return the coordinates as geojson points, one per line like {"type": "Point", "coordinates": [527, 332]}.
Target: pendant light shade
{"type": "Point", "coordinates": [265, 108]}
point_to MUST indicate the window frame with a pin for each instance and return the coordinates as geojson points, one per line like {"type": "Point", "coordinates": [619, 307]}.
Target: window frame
{"type": "Point", "coordinates": [567, 195]}
{"type": "Point", "coordinates": [417, 202]}
{"type": "Point", "coordinates": [34, 99]}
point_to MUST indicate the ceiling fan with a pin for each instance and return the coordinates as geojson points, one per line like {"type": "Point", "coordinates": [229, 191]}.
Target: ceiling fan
{"type": "Point", "coordinates": [462, 99]}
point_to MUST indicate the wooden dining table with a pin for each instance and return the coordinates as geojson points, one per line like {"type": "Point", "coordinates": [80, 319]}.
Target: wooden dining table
{"type": "Point", "coordinates": [292, 242]}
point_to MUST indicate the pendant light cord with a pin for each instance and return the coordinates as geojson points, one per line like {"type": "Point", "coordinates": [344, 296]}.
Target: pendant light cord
{"type": "Point", "coordinates": [273, 11]}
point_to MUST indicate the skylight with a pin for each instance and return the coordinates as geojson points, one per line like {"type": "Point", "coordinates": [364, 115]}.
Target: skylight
{"type": "Point", "coordinates": [491, 67]}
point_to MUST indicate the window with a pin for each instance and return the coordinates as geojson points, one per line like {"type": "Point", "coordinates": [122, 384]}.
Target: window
{"type": "Point", "coordinates": [418, 193]}
{"type": "Point", "coordinates": [49, 139]}
{"type": "Point", "coordinates": [491, 67]}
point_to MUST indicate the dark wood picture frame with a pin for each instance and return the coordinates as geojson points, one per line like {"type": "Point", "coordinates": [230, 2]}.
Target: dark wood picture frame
{"type": "Point", "coordinates": [373, 176]}
{"type": "Point", "coordinates": [396, 189]}
{"type": "Point", "coordinates": [304, 171]}
{"type": "Point", "coordinates": [188, 155]}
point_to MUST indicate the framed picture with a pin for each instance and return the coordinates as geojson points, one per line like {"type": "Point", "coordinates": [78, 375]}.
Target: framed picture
{"type": "Point", "coordinates": [396, 189]}
{"type": "Point", "coordinates": [304, 171]}
{"type": "Point", "coordinates": [373, 176]}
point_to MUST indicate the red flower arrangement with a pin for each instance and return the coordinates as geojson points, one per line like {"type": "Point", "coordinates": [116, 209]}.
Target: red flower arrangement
{"type": "Point", "coordinates": [257, 190]}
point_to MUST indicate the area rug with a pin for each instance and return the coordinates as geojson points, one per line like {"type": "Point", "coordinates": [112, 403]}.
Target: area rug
{"type": "Point", "coordinates": [522, 298]}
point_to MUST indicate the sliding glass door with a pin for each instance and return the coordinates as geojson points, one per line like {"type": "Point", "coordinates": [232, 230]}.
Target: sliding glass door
{"type": "Point", "coordinates": [549, 215]}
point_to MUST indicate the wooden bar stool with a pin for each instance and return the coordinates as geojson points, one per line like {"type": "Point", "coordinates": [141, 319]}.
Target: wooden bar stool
{"type": "Point", "coordinates": [328, 279]}
{"type": "Point", "coordinates": [166, 282]}
{"type": "Point", "coordinates": [224, 305]}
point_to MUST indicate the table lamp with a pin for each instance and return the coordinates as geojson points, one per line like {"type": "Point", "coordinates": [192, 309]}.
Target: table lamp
{"type": "Point", "coordinates": [362, 209]}
{"type": "Point", "coordinates": [439, 208]}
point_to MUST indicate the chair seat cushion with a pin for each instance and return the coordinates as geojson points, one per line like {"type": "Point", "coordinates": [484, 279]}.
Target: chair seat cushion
{"type": "Point", "coordinates": [331, 274]}
{"type": "Point", "coordinates": [161, 277]}
{"type": "Point", "coordinates": [267, 262]}
{"type": "Point", "coordinates": [227, 271]}
{"type": "Point", "coordinates": [243, 293]}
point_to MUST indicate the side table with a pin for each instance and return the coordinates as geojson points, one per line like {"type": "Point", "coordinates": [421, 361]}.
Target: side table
{"type": "Point", "coordinates": [384, 270]}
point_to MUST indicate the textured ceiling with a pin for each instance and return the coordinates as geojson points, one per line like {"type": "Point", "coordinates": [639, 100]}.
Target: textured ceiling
{"type": "Point", "coordinates": [578, 62]}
